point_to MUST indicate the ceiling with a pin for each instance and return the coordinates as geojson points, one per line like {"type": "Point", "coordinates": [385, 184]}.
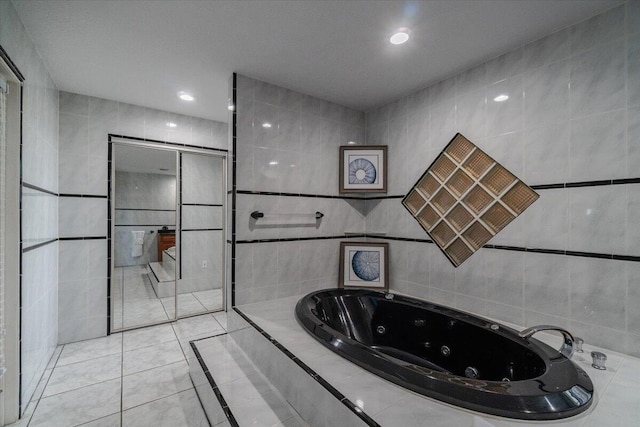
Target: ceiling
{"type": "Point", "coordinates": [145, 160]}
{"type": "Point", "coordinates": [144, 52]}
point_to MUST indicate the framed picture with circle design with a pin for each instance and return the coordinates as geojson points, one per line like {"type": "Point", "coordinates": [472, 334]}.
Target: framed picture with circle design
{"type": "Point", "coordinates": [363, 169]}
{"type": "Point", "coordinates": [364, 265]}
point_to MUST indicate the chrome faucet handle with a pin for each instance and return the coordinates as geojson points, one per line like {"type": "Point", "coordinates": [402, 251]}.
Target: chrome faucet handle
{"type": "Point", "coordinates": [579, 341]}
{"type": "Point", "coordinates": [567, 346]}
{"type": "Point", "coordinates": [599, 360]}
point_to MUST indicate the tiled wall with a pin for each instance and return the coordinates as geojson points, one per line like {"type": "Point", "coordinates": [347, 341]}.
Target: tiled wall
{"type": "Point", "coordinates": [85, 123]}
{"type": "Point", "coordinates": [573, 115]}
{"type": "Point", "coordinates": [39, 208]}
{"type": "Point", "coordinates": [297, 155]}
{"type": "Point", "coordinates": [144, 202]}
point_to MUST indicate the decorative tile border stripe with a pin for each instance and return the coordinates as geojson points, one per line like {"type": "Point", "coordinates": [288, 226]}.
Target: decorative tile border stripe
{"type": "Point", "coordinates": [234, 189]}
{"type": "Point", "coordinates": [138, 209]}
{"type": "Point", "coordinates": [317, 196]}
{"type": "Point", "coordinates": [40, 189]}
{"type": "Point", "coordinates": [580, 184]}
{"type": "Point", "coordinates": [408, 239]}
{"type": "Point", "coordinates": [48, 242]}
{"type": "Point", "coordinates": [84, 196]}
{"type": "Point", "coordinates": [531, 250]}
{"type": "Point", "coordinates": [201, 204]}
{"type": "Point", "coordinates": [313, 374]}
{"type": "Point", "coordinates": [214, 386]}
{"type": "Point", "coordinates": [38, 245]}
{"type": "Point", "coordinates": [140, 225]}
{"type": "Point", "coordinates": [175, 144]}
{"type": "Point", "coordinates": [84, 238]}
{"type": "Point", "coordinates": [202, 229]}
{"type": "Point", "coordinates": [296, 239]}
{"type": "Point", "coordinates": [401, 196]}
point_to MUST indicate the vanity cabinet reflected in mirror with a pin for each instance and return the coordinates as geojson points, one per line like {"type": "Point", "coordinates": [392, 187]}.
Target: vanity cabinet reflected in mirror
{"type": "Point", "coordinates": [167, 234]}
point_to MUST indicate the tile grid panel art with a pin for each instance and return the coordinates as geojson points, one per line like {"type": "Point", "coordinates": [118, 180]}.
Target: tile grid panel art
{"type": "Point", "coordinates": [465, 198]}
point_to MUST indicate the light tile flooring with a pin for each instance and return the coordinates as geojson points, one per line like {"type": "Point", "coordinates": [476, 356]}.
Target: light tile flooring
{"type": "Point", "coordinates": [136, 378]}
{"type": "Point", "coordinates": [136, 303]}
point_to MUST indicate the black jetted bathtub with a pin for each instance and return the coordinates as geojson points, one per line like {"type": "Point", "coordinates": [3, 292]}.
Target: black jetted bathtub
{"type": "Point", "coordinates": [447, 354]}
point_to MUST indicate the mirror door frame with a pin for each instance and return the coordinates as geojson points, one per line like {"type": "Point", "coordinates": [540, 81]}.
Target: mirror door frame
{"type": "Point", "coordinates": [178, 149]}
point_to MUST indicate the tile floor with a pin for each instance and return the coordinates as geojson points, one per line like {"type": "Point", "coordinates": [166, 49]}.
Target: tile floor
{"type": "Point", "coordinates": [135, 378]}
{"type": "Point", "coordinates": [136, 303]}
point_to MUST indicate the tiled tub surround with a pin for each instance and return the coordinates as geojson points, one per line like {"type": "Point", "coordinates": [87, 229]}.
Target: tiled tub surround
{"type": "Point", "coordinates": [289, 168]}
{"type": "Point", "coordinates": [85, 123]}
{"type": "Point", "coordinates": [241, 396]}
{"type": "Point", "coordinates": [39, 221]}
{"type": "Point", "coordinates": [389, 405]}
{"type": "Point", "coordinates": [573, 115]}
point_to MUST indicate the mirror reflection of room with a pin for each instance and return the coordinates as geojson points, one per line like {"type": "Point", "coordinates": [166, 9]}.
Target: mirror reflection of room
{"type": "Point", "coordinates": [201, 234]}
{"type": "Point", "coordinates": [143, 284]}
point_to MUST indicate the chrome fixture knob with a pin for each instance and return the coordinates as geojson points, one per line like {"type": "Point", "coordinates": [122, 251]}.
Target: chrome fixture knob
{"type": "Point", "coordinates": [567, 344]}
{"type": "Point", "coordinates": [419, 322]}
{"type": "Point", "coordinates": [381, 329]}
{"type": "Point", "coordinates": [599, 360]}
{"type": "Point", "coordinates": [579, 341]}
{"type": "Point", "coordinates": [389, 296]}
{"type": "Point", "coordinates": [494, 327]}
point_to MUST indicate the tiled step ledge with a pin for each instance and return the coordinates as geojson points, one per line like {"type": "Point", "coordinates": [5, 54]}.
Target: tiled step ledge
{"type": "Point", "coordinates": [387, 404]}
{"type": "Point", "coordinates": [232, 390]}
{"type": "Point", "coordinates": [309, 395]}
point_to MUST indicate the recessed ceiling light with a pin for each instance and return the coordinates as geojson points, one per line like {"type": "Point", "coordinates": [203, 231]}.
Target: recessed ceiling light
{"type": "Point", "coordinates": [171, 124]}
{"type": "Point", "coordinates": [401, 36]}
{"type": "Point", "coordinates": [273, 163]}
{"type": "Point", "coordinates": [185, 96]}
{"type": "Point", "coordinates": [351, 143]}
{"type": "Point", "coordinates": [501, 98]}
{"type": "Point", "coordinates": [266, 125]}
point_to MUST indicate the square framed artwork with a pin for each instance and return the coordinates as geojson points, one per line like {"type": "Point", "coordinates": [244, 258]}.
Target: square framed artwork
{"type": "Point", "coordinates": [363, 169]}
{"type": "Point", "coordinates": [364, 265]}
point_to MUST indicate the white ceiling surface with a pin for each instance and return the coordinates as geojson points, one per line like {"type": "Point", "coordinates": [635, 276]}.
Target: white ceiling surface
{"type": "Point", "coordinates": [143, 52]}
{"type": "Point", "coordinates": [144, 160]}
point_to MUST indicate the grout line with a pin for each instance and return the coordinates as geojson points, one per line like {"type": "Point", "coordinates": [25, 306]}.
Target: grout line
{"type": "Point", "coordinates": [154, 400]}
{"type": "Point", "coordinates": [43, 389]}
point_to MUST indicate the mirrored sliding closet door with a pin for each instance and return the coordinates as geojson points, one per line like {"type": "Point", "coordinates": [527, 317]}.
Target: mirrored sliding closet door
{"type": "Point", "coordinates": [167, 233]}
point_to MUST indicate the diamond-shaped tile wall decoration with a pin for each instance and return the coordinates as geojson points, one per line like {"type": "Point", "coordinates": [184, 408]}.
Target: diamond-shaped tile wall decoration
{"type": "Point", "coordinates": [465, 198]}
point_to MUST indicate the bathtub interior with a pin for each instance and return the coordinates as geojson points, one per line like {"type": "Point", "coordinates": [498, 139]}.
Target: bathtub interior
{"type": "Point", "coordinates": [431, 339]}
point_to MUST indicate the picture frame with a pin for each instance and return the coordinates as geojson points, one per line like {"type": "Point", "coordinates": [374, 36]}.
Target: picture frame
{"type": "Point", "coordinates": [364, 265]}
{"type": "Point", "coordinates": [363, 169]}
